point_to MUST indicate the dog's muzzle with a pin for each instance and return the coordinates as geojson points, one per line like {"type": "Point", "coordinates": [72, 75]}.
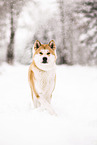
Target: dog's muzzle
{"type": "Point", "coordinates": [44, 60]}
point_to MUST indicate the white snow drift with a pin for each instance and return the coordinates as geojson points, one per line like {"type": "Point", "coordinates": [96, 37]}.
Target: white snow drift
{"type": "Point", "coordinates": [74, 100]}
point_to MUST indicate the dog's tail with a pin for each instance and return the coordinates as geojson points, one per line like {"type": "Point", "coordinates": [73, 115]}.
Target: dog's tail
{"type": "Point", "coordinates": [46, 105]}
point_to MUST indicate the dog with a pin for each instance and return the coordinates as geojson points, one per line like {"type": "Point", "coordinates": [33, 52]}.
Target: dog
{"type": "Point", "coordinates": [42, 74]}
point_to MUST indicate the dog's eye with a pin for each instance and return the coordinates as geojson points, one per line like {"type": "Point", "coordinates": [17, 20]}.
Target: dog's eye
{"type": "Point", "coordinates": [41, 53]}
{"type": "Point", "coordinates": [48, 53]}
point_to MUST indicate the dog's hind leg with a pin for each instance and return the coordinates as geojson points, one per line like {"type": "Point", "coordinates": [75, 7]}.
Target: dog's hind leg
{"type": "Point", "coordinates": [46, 105]}
{"type": "Point", "coordinates": [36, 101]}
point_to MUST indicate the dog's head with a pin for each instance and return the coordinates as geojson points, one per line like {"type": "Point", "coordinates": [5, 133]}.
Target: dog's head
{"type": "Point", "coordinates": [44, 55]}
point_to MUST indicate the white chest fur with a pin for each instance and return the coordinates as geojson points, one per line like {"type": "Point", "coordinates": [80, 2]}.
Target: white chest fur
{"type": "Point", "coordinates": [44, 82]}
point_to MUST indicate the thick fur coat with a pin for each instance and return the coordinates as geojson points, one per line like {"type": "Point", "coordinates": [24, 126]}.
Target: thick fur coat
{"type": "Point", "coordinates": [42, 74]}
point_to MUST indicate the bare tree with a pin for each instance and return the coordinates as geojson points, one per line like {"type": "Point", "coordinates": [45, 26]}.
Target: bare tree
{"type": "Point", "coordinates": [10, 50]}
{"type": "Point", "coordinates": [14, 10]}
{"type": "Point", "coordinates": [62, 26]}
{"type": "Point", "coordinates": [3, 29]}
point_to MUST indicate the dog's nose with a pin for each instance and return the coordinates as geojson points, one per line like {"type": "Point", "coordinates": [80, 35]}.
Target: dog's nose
{"type": "Point", "coordinates": [44, 59]}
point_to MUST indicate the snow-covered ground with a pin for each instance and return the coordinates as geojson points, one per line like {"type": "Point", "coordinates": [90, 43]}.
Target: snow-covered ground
{"type": "Point", "coordinates": [74, 100]}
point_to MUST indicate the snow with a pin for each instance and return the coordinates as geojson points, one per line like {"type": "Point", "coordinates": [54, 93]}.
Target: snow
{"type": "Point", "coordinates": [83, 37]}
{"type": "Point", "coordinates": [74, 100]}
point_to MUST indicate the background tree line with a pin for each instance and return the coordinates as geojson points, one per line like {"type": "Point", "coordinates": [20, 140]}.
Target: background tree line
{"type": "Point", "coordinates": [73, 26]}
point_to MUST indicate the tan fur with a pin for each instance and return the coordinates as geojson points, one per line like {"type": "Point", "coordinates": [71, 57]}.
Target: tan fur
{"type": "Point", "coordinates": [31, 79]}
{"type": "Point", "coordinates": [45, 46]}
{"type": "Point", "coordinates": [33, 68]}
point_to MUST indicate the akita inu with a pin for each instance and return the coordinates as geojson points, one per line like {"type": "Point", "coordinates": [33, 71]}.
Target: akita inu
{"type": "Point", "coordinates": [42, 74]}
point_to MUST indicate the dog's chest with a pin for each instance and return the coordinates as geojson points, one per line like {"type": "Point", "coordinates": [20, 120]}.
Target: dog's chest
{"type": "Point", "coordinates": [44, 81]}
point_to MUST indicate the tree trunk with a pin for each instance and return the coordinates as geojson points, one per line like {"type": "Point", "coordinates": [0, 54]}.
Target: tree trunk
{"type": "Point", "coordinates": [10, 51]}
{"type": "Point", "coordinates": [62, 19]}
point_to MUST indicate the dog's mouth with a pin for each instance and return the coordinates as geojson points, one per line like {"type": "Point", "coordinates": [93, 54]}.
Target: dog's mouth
{"type": "Point", "coordinates": [44, 62]}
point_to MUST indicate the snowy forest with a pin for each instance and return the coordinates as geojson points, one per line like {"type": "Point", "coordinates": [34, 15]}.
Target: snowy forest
{"type": "Point", "coordinates": [72, 24]}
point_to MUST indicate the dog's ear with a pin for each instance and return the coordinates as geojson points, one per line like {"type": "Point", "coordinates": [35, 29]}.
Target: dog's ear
{"type": "Point", "coordinates": [37, 44]}
{"type": "Point", "coordinates": [52, 44]}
